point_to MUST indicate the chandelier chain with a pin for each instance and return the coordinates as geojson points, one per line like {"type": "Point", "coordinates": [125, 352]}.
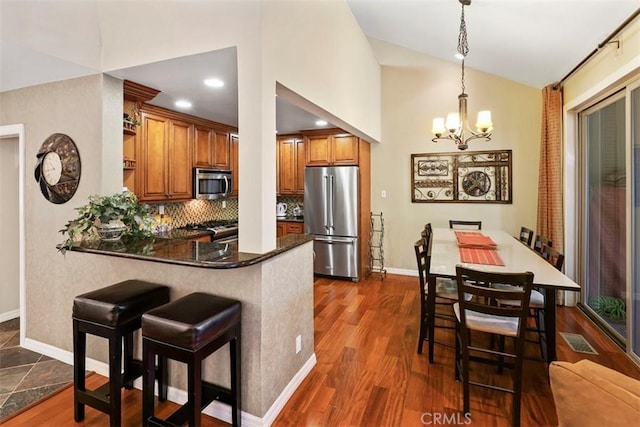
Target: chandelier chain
{"type": "Point", "coordinates": [463, 44]}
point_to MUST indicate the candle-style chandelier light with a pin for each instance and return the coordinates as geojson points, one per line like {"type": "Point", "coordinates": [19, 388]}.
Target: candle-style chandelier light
{"type": "Point", "coordinates": [454, 128]}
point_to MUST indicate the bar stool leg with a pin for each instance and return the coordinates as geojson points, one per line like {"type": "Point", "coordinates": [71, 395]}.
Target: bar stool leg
{"type": "Point", "coordinates": [79, 349]}
{"type": "Point", "coordinates": [148, 374]}
{"type": "Point", "coordinates": [128, 360]}
{"type": "Point", "coordinates": [195, 390]}
{"type": "Point", "coordinates": [162, 374]}
{"type": "Point", "coordinates": [115, 378]}
{"type": "Point", "coordinates": [234, 356]}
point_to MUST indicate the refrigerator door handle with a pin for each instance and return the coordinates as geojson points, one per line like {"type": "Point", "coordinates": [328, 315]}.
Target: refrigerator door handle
{"type": "Point", "coordinates": [331, 188]}
{"type": "Point", "coordinates": [334, 240]}
{"type": "Point", "coordinates": [325, 190]}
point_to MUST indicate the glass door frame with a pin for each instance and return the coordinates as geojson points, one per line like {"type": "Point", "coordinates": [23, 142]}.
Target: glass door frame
{"type": "Point", "coordinates": [582, 171]}
{"type": "Point", "coordinates": [575, 118]}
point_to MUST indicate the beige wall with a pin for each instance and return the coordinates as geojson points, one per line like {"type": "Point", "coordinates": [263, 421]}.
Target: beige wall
{"type": "Point", "coordinates": [415, 89]}
{"type": "Point", "coordinates": [604, 68]}
{"type": "Point", "coordinates": [9, 260]}
{"type": "Point", "coordinates": [76, 108]}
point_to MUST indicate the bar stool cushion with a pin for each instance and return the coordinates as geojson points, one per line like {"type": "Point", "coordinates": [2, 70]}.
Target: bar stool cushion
{"type": "Point", "coordinates": [120, 303]}
{"type": "Point", "coordinates": [191, 321]}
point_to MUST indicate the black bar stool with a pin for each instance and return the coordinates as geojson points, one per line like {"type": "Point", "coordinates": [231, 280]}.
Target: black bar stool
{"type": "Point", "coordinates": [188, 330]}
{"type": "Point", "coordinates": [113, 312]}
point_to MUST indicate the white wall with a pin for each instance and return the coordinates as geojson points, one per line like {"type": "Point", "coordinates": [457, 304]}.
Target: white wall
{"type": "Point", "coordinates": [417, 88]}
{"type": "Point", "coordinates": [9, 231]}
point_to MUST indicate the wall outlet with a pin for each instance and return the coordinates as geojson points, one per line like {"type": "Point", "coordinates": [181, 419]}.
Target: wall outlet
{"type": "Point", "coordinates": [298, 344]}
{"type": "Point", "coordinates": [383, 194]}
{"type": "Point", "coordinates": [224, 204]}
{"type": "Point", "coordinates": [161, 209]}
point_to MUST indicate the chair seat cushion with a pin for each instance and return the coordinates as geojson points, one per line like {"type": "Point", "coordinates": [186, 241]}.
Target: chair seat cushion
{"type": "Point", "coordinates": [501, 325]}
{"type": "Point", "coordinates": [447, 288]}
{"type": "Point", "coordinates": [536, 300]}
{"type": "Point", "coordinates": [119, 303]}
{"type": "Point", "coordinates": [192, 321]}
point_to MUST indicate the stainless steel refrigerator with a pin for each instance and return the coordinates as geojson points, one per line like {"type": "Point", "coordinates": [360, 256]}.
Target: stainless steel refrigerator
{"type": "Point", "coordinates": [331, 215]}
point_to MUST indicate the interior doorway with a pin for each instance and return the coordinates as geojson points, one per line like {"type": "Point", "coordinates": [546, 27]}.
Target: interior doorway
{"type": "Point", "coordinates": [12, 175]}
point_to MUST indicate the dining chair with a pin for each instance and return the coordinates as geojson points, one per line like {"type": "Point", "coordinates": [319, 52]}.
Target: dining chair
{"type": "Point", "coordinates": [526, 236]}
{"type": "Point", "coordinates": [536, 302]}
{"type": "Point", "coordinates": [446, 294]}
{"type": "Point", "coordinates": [541, 241]}
{"type": "Point", "coordinates": [466, 225]}
{"type": "Point", "coordinates": [553, 256]}
{"type": "Point", "coordinates": [479, 316]}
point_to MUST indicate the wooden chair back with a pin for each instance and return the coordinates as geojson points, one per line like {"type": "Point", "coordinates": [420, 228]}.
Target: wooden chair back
{"type": "Point", "coordinates": [540, 242]}
{"type": "Point", "coordinates": [526, 235]}
{"type": "Point", "coordinates": [553, 257]}
{"type": "Point", "coordinates": [466, 225]}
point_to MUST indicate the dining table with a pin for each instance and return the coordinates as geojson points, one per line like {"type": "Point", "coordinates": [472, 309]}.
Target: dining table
{"type": "Point", "coordinates": [506, 255]}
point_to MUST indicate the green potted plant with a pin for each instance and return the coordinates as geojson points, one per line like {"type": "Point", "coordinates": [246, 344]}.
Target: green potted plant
{"type": "Point", "coordinates": [108, 218]}
{"type": "Point", "coordinates": [611, 307]}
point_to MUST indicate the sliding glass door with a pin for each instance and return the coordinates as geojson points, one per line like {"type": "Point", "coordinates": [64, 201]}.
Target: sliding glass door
{"type": "Point", "coordinates": [604, 212]}
{"type": "Point", "coordinates": [609, 215]}
{"type": "Point", "coordinates": [634, 325]}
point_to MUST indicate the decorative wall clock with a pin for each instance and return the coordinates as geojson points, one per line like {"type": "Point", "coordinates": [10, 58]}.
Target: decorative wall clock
{"type": "Point", "coordinates": [472, 177]}
{"type": "Point", "coordinates": [58, 169]}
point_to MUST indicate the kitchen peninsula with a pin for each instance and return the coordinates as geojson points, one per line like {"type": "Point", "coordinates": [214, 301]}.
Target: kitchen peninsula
{"type": "Point", "coordinates": [275, 288]}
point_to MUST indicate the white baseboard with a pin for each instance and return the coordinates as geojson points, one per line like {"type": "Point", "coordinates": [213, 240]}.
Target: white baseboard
{"type": "Point", "coordinates": [9, 315]}
{"type": "Point", "coordinates": [288, 391]}
{"type": "Point", "coordinates": [402, 271]}
{"type": "Point", "coordinates": [216, 409]}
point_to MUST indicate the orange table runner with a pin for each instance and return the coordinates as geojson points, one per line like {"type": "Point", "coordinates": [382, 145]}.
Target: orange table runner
{"type": "Point", "coordinates": [480, 256]}
{"type": "Point", "coordinates": [474, 239]}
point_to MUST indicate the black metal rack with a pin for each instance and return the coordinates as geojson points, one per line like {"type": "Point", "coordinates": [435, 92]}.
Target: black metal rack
{"type": "Point", "coordinates": [376, 240]}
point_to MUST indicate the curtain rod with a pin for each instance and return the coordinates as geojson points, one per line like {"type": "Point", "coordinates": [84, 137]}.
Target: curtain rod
{"type": "Point", "coordinates": [606, 41]}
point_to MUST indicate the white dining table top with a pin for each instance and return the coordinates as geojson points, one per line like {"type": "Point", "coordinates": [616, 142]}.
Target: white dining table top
{"type": "Point", "coordinates": [516, 256]}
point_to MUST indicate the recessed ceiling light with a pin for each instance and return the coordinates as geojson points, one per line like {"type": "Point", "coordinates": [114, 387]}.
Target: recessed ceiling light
{"type": "Point", "coordinates": [321, 123]}
{"type": "Point", "coordinates": [214, 82]}
{"type": "Point", "coordinates": [182, 103]}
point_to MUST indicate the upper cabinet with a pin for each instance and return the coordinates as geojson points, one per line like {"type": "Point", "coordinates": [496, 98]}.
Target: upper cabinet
{"type": "Point", "coordinates": [290, 164]}
{"type": "Point", "coordinates": [212, 148]}
{"type": "Point", "coordinates": [165, 159]}
{"type": "Point", "coordinates": [331, 147]}
{"type": "Point", "coordinates": [134, 96]}
{"type": "Point", "coordinates": [159, 157]}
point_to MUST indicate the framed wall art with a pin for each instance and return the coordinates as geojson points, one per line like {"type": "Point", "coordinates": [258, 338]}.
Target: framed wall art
{"type": "Point", "coordinates": [468, 177]}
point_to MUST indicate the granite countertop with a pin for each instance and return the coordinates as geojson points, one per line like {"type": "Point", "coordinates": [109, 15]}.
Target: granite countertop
{"type": "Point", "coordinates": [181, 233]}
{"type": "Point", "coordinates": [187, 252]}
{"type": "Point", "coordinates": [290, 218]}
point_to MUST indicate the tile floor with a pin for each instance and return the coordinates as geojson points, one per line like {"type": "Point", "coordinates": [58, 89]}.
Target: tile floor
{"type": "Point", "coordinates": [25, 376]}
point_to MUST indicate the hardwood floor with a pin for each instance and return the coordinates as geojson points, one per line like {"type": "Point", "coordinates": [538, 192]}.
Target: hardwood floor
{"type": "Point", "coordinates": [369, 374]}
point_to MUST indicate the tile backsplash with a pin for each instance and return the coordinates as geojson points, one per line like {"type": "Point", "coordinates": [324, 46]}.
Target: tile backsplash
{"type": "Point", "coordinates": [195, 211]}
{"type": "Point", "coordinates": [291, 202]}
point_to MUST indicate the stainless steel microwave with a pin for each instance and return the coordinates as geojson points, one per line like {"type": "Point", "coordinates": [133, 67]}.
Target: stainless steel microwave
{"type": "Point", "coordinates": [211, 184]}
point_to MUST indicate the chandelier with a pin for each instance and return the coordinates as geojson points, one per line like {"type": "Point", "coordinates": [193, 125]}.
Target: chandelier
{"type": "Point", "coordinates": [454, 128]}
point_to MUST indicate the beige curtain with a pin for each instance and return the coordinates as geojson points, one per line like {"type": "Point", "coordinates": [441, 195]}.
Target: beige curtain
{"type": "Point", "coordinates": [550, 208]}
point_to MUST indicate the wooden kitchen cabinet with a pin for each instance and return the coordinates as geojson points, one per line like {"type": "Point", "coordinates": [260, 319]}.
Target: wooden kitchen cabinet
{"type": "Point", "coordinates": [212, 148]}
{"type": "Point", "coordinates": [165, 153]}
{"type": "Point", "coordinates": [234, 141]}
{"type": "Point", "coordinates": [290, 165]}
{"type": "Point", "coordinates": [289, 227]}
{"type": "Point", "coordinates": [331, 149]}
